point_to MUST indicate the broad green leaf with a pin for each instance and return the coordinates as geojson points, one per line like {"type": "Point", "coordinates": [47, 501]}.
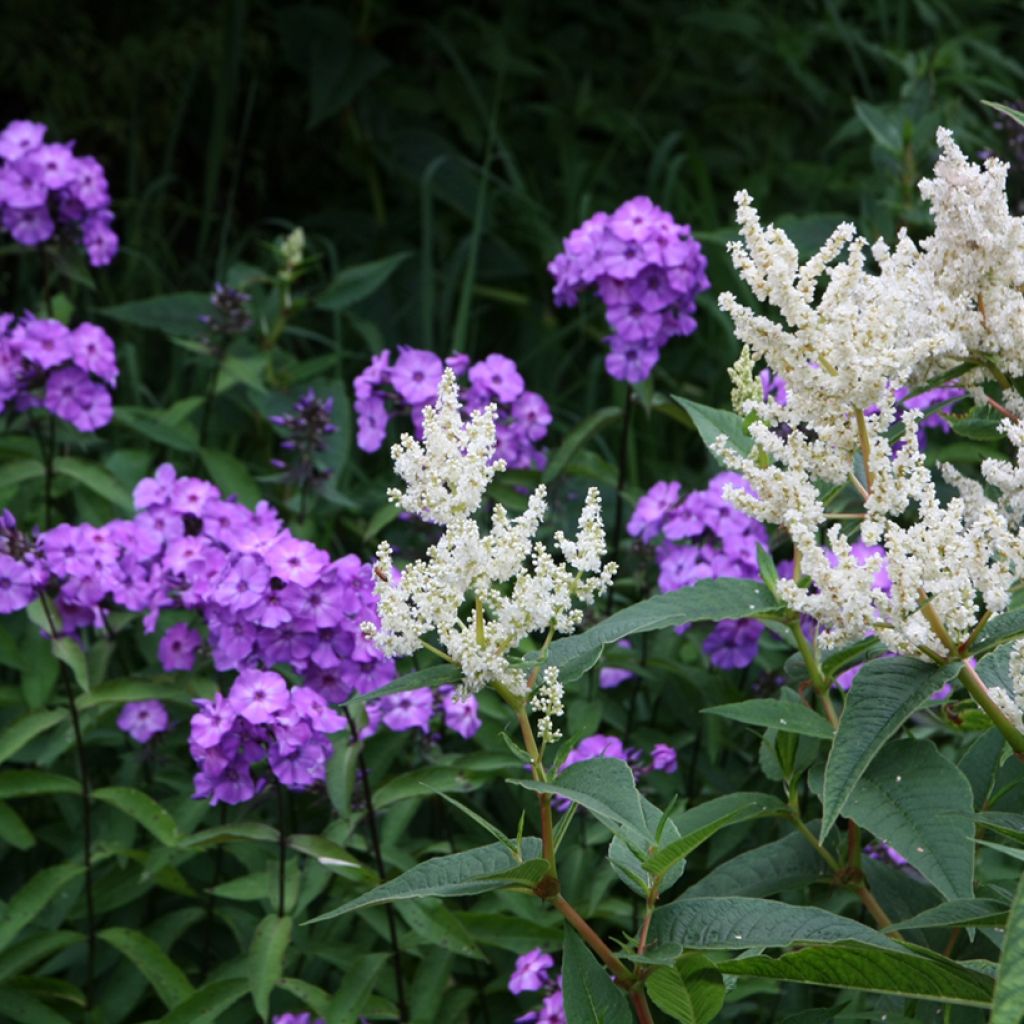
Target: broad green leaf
{"type": "Point", "coordinates": [99, 480]}
{"type": "Point", "coordinates": [13, 829]}
{"type": "Point", "coordinates": [458, 874]}
{"type": "Point", "coordinates": [852, 965]}
{"type": "Point", "coordinates": [242, 831]}
{"type": "Point", "coordinates": [32, 897]}
{"type": "Point", "coordinates": [311, 995]}
{"type": "Point", "coordinates": [785, 716]}
{"type": "Point", "coordinates": [1006, 824]}
{"type": "Point", "coordinates": [415, 784]}
{"type": "Point", "coordinates": [578, 436]}
{"type": "Point", "coordinates": [120, 691]}
{"type": "Point", "coordinates": [327, 853]}
{"type": "Point", "coordinates": [143, 808]}
{"type": "Point", "coordinates": [349, 1002]}
{"type": "Point", "coordinates": [166, 977]}
{"type": "Point", "coordinates": [740, 922]}
{"type": "Point", "coordinates": [176, 314]}
{"type": "Point", "coordinates": [968, 913]}
{"type": "Point", "coordinates": [436, 675]}
{"type": "Point", "coordinates": [148, 423]}
{"type": "Point", "coordinates": [999, 630]}
{"type": "Point", "coordinates": [265, 962]}
{"type": "Point", "coordinates": [691, 990]}
{"type": "Point", "coordinates": [883, 125]}
{"type": "Point", "coordinates": [353, 284]}
{"type": "Point", "coordinates": [604, 786]}
{"type": "Point", "coordinates": [29, 782]}
{"type": "Point", "coordinates": [627, 864]}
{"type": "Point", "coordinates": [528, 874]}
{"type": "Point", "coordinates": [886, 692]}
{"type": "Point", "coordinates": [67, 650]}
{"type": "Point", "coordinates": [699, 824]}
{"type": "Point", "coordinates": [712, 423]}
{"type": "Point", "coordinates": [911, 797]}
{"type": "Point", "coordinates": [231, 475]}
{"type": "Point", "coordinates": [434, 925]}
{"type": "Point", "coordinates": [208, 1003]}
{"type": "Point", "coordinates": [590, 995]}
{"type": "Point", "coordinates": [787, 863]}
{"type": "Point", "coordinates": [1008, 1001]}
{"type": "Point", "coordinates": [705, 601]}
{"type": "Point", "coordinates": [26, 729]}
{"type": "Point", "coordinates": [22, 1008]}
{"type": "Point", "coordinates": [27, 953]}
{"type": "Point", "coordinates": [20, 471]}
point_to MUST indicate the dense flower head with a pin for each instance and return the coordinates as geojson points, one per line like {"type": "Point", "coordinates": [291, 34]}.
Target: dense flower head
{"type": "Point", "coordinates": [515, 586]}
{"type": "Point", "coordinates": [261, 719]}
{"type": "Point", "coordinates": [70, 372]}
{"type": "Point", "coordinates": [648, 271]}
{"type": "Point", "coordinates": [531, 972]}
{"type": "Point", "coordinates": [855, 342]}
{"type": "Point", "coordinates": [47, 191]}
{"type": "Point", "coordinates": [229, 311]}
{"type": "Point", "coordinates": [405, 387]}
{"type": "Point", "coordinates": [704, 536]}
{"type": "Point", "coordinates": [305, 431]}
{"type": "Point", "coordinates": [425, 710]}
{"type": "Point", "coordinates": [143, 719]}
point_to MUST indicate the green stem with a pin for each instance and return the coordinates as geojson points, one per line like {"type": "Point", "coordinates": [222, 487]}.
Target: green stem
{"type": "Point", "coordinates": [622, 973]}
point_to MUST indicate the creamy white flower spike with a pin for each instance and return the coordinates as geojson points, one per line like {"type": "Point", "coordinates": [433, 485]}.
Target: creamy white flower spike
{"type": "Point", "coordinates": [845, 337]}
{"type": "Point", "coordinates": [480, 594]}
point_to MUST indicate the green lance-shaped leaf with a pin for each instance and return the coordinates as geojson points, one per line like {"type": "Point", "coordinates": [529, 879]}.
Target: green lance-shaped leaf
{"type": "Point", "coordinates": [851, 965]}
{"type": "Point", "coordinates": [458, 874]}
{"type": "Point", "coordinates": [207, 1004]}
{"type": "Point", "coordinates": [712, 423]}
{"type": "Point", "coordinates": [436, 675]}
{"type": "Point", "coordinates": [578, 436]}
{"type": "Point", "coordinates": [22, 1008]}
{"type": "Point", "coordinates": [32, 897]}
{"type": "Point", "coordinates": [604, 786]}
{"type": "Point", "coordinates": [886, 693]}
{"type": "Point", "coordinates": [13, 829]}
{"type": "Point", "coordinates": [120, 691]}
{"type": "Point", "coordinates": [266, 959]}
{"type": "Point", "coordinates": [999, 630]}
{"type": "Point", "coordinates": [768, 713]}
{"type": "Point", "coordinates": [176, 314]}
{"type": "Point", "coordinates": [740, 922]}
{"type": "Point", "coordinates": [589, 993]}
{"type": "Point", "coordinates": [26, 729]}
{"type": "Point", "coordinates": [356, 988]}
{"type": "Point", "coordinates": [98, 479]}
{"type": "Point", "coordinates": [143, 808]}
{"type": "Point", "coordinates": [353, 284]}
{"type": "Point", "coordinates": [17, 959]}
{"type": "Point", "coordinates": [911, 797]}
{"type": "Point", "coordinates": [241, 831]}
{"type": "Point", "coordinates": [1008, 1002]}
{"type": "Point", "coordinates": [30, 782]}
{"type": "Point", "coordinates": [705, 601]}
{"type": "Point", "coordinates": [969, 913]}
{"type": "Point", "coordinates": [691, 990]}
{"type": "Point", "coordinates": [166, 977]}
{"type": "Point", "coordinates": [699, 824]}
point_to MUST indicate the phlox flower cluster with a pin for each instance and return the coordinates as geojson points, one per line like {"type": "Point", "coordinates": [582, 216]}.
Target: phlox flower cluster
{"type": "Point", "coordinates": [46, 191]}
{"type": "Point", "coordinates": [298, 1018]}
{"type": "Point", "coordinates": [648, 272]}
{"type": "Point", "coordinates": [703, 536]}
{"type": "Point", "coordinates": [422, 709]}
{"type": "Point", "coordinates": [67, 371]}
{"type": "Point", "coordinates": [261, 718]}
{"type": "Point", "coordinates": [387, 389]}
{"type": "Point", "coordinates": [22, 568]}
{"type": "Point", "coordinates": [511, 584]}
{"type": "Point", "coordinates": [848, 339]}
{"type": "Point", "coordinates": [532, 973]}
{"type": "Point", "coordinates": [143, 719]}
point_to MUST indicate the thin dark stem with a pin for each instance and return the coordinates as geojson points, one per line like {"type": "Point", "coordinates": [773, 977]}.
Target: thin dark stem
{"type": "Point", "coordinates": [627, 419]}
{"type": "Point", "coordinates": [211, 391]}
{"type": "Point", "coordinates": [282, 838]}
{"type": "Point", "coordinates": [83, 771]}
{"type": "Point", "coordinates": [371, 819]}
{"type": "Point", "coordinates": [218, 866]}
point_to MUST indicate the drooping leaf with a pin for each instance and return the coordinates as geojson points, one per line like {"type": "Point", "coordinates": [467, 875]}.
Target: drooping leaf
{"type": "Point", "coordinates": [590, 997]}
{"type": "Point", "coordinates": [22, 1008]}
{"type": "Point", "coordinates": [176, 314]}
{"type": "Point", "coordinates": [578, 436]}
{"type": "Point", "coordinates": [886, 692]}
{"type": "Point", "coordinates": [349, 1002]}
{"type": "Point", "coordinates": [865, 968]}
{"type": "Point", "coordinates": [705, 601]}
{"type": "Point", "coordinates": [967, 913]}
{"type": "Point", "coordinates": [458, 874]}
{"type": "Point", "coordinates": [911, 797]}
{"type": "Point", "coordinates": [690, 991]}
{"type": "Point", "coordinates": [29, 782]}
{"type": "Point", "coordinates": [741, 922]}
{"type": "Point", "coordinates": [711, 423]}
{"type": "Point", "coordinates": [26, 729]}
{"type": "Point", "coordinates": [13, 829]}
{"type": "Point", "coordinates": [20, 956]}
{"type": "Point", "coordinates": [32, 897]}
{"type": "Point", "coordinates": [1008, 1000]}
{"type": "Point", "coordinates": [265, 963]}
{"type": "Point", "coordinates": [353, 284]}
{"type": "Point", "coordinates": [166, 977]}
{"type": "Point", "coordinates": [98, 479]}
{"type": "Point", "coordinates": [785, 716]}
{"type": "Point", "coordinates": [207, 1004]}
{"type": "Point", "coordinates": [604, 786]}
{"type": "Point", "coordinates": [143, 808]}
{"type": "Point", "coordinates": [1000, 629]}
{"type": "Point", "coordinates": [241, 831]}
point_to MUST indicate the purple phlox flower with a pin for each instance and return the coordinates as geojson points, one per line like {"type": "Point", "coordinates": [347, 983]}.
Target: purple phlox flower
{"type": "Point", "coordinates": [664, 758]}
{"type": "Point", "coordinates": [733, 643]}
{"type": "Point", "coordinates": [256, 695]}
{"type": "Point", "coordinates": [403, 711]}
{"type": "Point", "coordinates": [882, 851]}
{"type": "Point", "coordinates": [296, 561]}
{"type": "Point", "coordinates": [611, 676]}
{"type": "Point", "coordinates": [497, 375]}
{"type": "Point", "coordinates": [460, 713]}
{"type": "Point", "coordinates": [143, 719]}
{"type": "Point", "coordinates": [937, 403]}
{"type": "Point", "coordinates": [416, 374]}
{"type": "Point", "coordinates": [212, 722]}
{"type": "Point", "coordinates": [297, 1018]}
{"type": "Point", "coordinates": [551, 1011]}
{"type": "Point", "coordinates": [21, 137]}
{"type": "Point", "coordinates": [18, 583]}
{"type": "Point", "coordinates": [178, 646]}
{"type": "Point", "coordinates": [532, 972]}
{"type": "Point", "coordinates": [649, 515]}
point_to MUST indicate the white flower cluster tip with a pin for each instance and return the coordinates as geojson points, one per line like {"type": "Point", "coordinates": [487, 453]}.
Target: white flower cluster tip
{"type": "Point", "coordinates": [845, 336]}
{"type": "Point", "coordinates": [480, 595]}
